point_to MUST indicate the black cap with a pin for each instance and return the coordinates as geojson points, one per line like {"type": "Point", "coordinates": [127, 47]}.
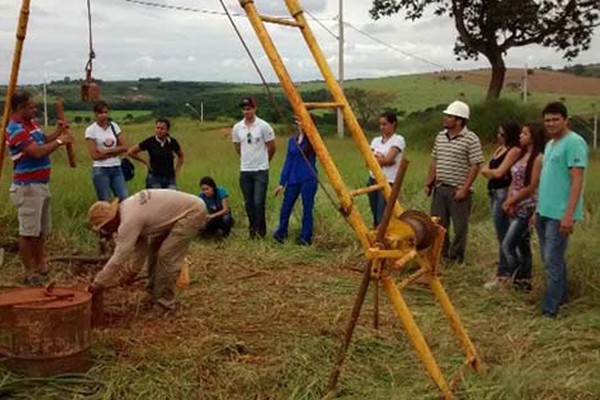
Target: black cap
{"type": "Point", "coordinates": [248, 102]}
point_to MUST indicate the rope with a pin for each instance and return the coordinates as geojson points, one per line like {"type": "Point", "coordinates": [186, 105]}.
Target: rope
{"type": "Point", "coordinates": [92, 55]}
{"type": "Point", "coordinates": [278, 109]}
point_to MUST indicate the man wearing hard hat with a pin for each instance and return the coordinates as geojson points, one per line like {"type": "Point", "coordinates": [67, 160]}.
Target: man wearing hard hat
{"type": "Point", "coordinates": [456, 160]}
{"type": "Point", "coordinates": [157, 224]}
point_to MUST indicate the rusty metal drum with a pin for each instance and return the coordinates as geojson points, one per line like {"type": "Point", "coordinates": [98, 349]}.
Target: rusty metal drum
{"type": "Point", "coordinates": [44, 333]}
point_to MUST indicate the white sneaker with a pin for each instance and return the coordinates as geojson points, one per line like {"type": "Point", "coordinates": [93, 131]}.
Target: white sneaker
{"type": "Point", "coordinates": [492, 284]}
{"type": "Point", "coordinates": [498, 282]}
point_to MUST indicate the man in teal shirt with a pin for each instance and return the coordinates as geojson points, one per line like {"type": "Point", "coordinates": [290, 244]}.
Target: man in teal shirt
{"type": "Point", "coordinates": [560, 201]}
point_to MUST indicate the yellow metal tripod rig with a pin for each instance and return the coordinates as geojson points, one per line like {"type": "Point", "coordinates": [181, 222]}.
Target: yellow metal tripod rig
{"type": "Point", "coordinates": [401, 236]}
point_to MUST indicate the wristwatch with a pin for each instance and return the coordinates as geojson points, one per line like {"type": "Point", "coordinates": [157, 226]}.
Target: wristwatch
{"type": "Point", "coordinates": [60, 142]}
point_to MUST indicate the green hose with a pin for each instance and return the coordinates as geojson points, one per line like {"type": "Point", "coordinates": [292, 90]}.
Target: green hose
{"type": "Point", "coordinates": [79, 384]}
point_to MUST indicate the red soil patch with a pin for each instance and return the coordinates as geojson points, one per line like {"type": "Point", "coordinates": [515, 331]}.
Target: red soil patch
{"type": "Point", "coordinates": [539, 81]}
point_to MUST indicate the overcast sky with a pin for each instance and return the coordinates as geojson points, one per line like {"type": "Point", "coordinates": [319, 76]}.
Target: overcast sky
{"type": "Point", "coordinates": [133, 41]}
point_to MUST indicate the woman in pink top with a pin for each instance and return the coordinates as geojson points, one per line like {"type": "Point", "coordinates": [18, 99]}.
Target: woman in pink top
{"type": "Point", "coordinates": [521, 203]}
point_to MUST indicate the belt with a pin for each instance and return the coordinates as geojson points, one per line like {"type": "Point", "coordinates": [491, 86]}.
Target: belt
{"type": "Point", "coordinates": [440, 184]}
{"type": "Point", "coordinates": [29, 183]}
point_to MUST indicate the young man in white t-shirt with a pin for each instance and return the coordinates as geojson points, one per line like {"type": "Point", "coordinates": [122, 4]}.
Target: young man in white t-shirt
{"type": "Point", "coordinates": [254, 141]}
{"type": "Point", "coordinates": [388, 150]}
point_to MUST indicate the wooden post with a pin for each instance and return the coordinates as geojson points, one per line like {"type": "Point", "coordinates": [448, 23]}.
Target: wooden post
{"type": "Point", "coordinates": [60, 112]}
{"type": "Point", "coordinates": [14, 73]}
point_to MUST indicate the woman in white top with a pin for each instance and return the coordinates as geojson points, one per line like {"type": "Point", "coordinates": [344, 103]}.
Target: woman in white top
{"type": "Point", "coordinates": [388, 149]}
{"type": "Point", "coordinates": [106, 142]}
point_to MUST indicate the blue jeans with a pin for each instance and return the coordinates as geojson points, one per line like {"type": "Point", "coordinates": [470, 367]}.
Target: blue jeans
{"type": "Point", "coordinates": [553, 246]}
{"type": "Point", "coordinates": [376, 202]}
{"type": "Point", "coordinates": [223, 223]}
{"type": "Point", "coordinates": [160, 182]}
{"type": "Point", "coordinates": [107, 179]}
{"type": "Point", "coordinates": [517, 251]}
{"type": "Point", "coordinates": [254, 188]}
{"type": "Point", "coordinates": [501, 223]}
{"type": "Point", "coordinates": [307, 190]}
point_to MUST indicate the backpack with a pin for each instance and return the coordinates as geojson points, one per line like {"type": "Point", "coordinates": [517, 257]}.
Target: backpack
{"type": "Point", "coordinates": [126, 165]}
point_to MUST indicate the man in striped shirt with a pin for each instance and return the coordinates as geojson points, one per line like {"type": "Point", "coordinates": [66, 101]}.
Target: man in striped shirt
{"type": "Point", "coordinates": [456, 160]}
{"type": "Point", "coordinates": [30, 149]}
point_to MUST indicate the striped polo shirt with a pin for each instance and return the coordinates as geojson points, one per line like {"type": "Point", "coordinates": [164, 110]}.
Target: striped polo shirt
{"type": "Point", "coordinates": [19, 135]}
{"type": "Point", "coordinates": [454, 156]}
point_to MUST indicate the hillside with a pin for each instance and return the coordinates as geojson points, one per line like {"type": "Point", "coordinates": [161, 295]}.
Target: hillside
{"type": "Point", "coordinates": [413, 93]}
{"type": "Point", "coordinates": [584, 70]}
{"type": "Point", "coordinates": [540, 80]}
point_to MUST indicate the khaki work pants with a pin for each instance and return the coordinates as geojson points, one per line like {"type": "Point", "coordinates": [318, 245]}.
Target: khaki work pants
{"type": "Point", "coordinates": [166, 254]}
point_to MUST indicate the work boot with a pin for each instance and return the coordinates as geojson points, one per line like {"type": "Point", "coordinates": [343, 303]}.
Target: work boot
{"type": "Point", "coordinates": [164, 305]}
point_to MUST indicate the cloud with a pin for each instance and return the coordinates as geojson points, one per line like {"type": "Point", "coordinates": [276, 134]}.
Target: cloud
{"type": "Point", "coordinates": [378, 27]}
{"type": "Point", "coordinates": [132, 40]}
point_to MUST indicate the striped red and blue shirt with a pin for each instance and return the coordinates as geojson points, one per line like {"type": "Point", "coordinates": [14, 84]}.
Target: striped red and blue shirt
{"type": "Point", "coordinates": [27, 169]}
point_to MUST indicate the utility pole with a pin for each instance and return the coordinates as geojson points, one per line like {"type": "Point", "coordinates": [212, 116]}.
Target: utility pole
{"type": "Point", "coordinates": [340, 114]}
{"type": "Point", "coordinates": [45, 105]}
{"type": "Point", "coordinates": [595, 144]}
{"type": "Point", "coordinates": [525, 89]}
{"type": "Point", "coordinates": [191, 107]}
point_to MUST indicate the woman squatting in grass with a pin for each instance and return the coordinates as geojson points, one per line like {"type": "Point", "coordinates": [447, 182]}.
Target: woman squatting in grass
{"type": "Point", "coordinates": [498, 173]}
{"type": "Point", "coordinates": [388, 149]}
{"type": "Point", "coordinates": [217, 203]}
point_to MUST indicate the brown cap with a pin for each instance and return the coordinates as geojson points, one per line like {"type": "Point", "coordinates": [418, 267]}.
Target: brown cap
{"type": "Point", "coordinates": [101, 213]}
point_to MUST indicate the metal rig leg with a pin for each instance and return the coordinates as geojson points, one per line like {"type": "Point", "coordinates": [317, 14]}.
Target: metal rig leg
{"type": "Point", "coordinates": [341, 355]}
{"type": "Point", "coordinates": [416, 337]}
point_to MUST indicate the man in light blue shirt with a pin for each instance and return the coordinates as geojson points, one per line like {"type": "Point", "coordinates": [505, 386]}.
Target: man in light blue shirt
{"type": "Point", "coordinates": [560, 201]}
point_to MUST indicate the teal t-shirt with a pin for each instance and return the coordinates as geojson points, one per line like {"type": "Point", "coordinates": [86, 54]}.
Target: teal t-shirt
{"type": "Point", "coordinates": [211, 202]}
{"type": "Point", "coordinates": [570, 151]}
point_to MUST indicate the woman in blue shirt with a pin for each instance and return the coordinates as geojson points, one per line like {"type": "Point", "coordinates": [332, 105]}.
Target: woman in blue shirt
{"type": "Point", "coordinates": [217, 203]}
{"type": "Point", "coordinates": [298, 178]}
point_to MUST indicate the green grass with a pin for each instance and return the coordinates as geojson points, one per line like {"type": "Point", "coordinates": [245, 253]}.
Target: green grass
{"type": "Point", "coordinates": [117, 115]}
{"type": "Point", "coordinates": [263, 321]}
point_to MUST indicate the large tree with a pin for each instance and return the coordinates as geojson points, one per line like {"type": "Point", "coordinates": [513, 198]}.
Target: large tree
{"type": "Point", "coordinates": [491, 27]}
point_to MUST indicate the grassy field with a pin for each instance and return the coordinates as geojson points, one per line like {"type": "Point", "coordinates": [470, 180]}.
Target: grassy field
{"type": "Point", "coordinates": [117, 115]}
{"type": "Point", "coordinates": [263, 321]}
{"type": "Point", "coordinates": [417, 92]}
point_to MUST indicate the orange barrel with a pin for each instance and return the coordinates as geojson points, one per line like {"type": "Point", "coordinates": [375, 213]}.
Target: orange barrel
{"type": "Point", "coordinates": [44, 334]}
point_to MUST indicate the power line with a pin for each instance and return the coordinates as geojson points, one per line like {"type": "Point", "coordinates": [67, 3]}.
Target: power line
{"type": "Point", "coordinates": [406, 53]}
{"type": "Point", "coordinates": [322, 25]}
{"type": "Point", "coordinates": [181, 8]}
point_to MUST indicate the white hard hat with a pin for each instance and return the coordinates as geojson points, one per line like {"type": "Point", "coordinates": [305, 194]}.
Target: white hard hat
{"type": "Point", "coordinates": [458, 109]}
